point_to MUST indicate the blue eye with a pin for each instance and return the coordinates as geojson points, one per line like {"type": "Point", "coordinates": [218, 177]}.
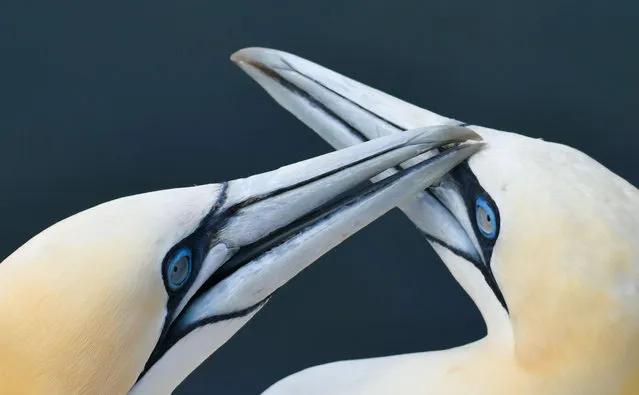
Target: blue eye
{"type": "Point", "coordinates": [485, 218]}
{"type": "Point", "coordinates": [179, 269]}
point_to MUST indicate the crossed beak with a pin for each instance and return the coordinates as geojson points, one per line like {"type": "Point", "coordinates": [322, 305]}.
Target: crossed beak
{"type": "Point", "coordinates": [267, 228]}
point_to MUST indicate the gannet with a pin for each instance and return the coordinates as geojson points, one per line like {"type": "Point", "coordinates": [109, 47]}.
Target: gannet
{"type": "Point", "coordinates": [542, 237]}
{"type": "Point", "coordinates": [132, 295]}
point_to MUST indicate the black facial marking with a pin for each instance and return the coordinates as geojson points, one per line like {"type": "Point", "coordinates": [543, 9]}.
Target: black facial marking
{"type": "Point", "coordinates": [470, 189]}
{"type": "Point", "coordinates": [200, 245]}
{"type": "Point", "coordinates": [205, 237]}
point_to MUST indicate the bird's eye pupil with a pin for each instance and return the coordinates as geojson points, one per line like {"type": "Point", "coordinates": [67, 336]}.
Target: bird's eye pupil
{"type": "Point", "coordinates": [179, 269]}
{"type": "Point", "coordinates": [485, 218]}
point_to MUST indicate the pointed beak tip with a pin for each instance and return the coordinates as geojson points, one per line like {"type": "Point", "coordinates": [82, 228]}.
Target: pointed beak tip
{"type": "Point", "coordinates": [255, 55]}
{"type": "Point", "coordinates": [445, 134]}
{"type": "Point", "coordinates": [256, 61]}
{"type": "Point", "coordinates": [242, 56]}
{"type": "Point", "coordinates": [472, 135]}
{"type": "Point", "coordinates": [461, 134]}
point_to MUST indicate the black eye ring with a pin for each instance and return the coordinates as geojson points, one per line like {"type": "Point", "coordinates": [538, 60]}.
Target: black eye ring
{"type": "Point", "coordinates": [485, 218]}
{"type": "Point", "coordinates": [179, 269]}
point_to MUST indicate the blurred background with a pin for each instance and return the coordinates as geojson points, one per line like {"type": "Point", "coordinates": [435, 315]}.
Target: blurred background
{"type": "Point", "coordinates": [104, 99]}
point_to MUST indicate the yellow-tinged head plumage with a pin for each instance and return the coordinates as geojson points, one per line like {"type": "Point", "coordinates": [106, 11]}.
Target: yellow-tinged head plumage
{"type": "Point", "coordinates": [83, 303]}
{"type": "Point", "coordinates": [566, 258]}
{"type": "Point", "coordinates": [132, 295]}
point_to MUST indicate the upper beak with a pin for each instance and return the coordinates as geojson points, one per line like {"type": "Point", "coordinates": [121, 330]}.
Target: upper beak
{"type": "Point", "coordinates": [345, 112]}
{"type": "Point", "coordinates": [267, 228]}
{"type": "Point", "coordinates": [341, 110]}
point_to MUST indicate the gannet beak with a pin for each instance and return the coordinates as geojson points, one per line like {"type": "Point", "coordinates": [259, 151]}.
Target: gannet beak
{"type": "Point", "coordinates": [345, 112]}
{"type": "Point", "coordinates": [267, 228]}
{"type": "Point", "coordinates": [341, 110]}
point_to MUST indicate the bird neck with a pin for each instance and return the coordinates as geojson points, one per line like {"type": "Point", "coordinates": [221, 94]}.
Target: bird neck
{"type": "Point", "coordinates": [586, 337]}
{"type": "Point", "coordinates": [41, 354]}
{"type": "Point", "coordinates": [53, 341]}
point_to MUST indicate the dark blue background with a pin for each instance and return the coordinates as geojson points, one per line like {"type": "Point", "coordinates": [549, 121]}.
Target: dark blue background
{"type": "Point", "coordinates": [104, 99]}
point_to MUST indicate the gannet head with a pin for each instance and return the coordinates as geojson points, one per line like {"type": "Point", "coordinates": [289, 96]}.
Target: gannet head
{"type": "Point", "coordinates": [541, 236]}
{"type": "Point", "coordinates": [132, 295]}
{"type": "Point", "coordinates": [552, 233]}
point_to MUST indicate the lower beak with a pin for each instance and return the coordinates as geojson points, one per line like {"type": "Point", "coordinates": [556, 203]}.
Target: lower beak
{"type": "Point", "coordinates": [269, 227]}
